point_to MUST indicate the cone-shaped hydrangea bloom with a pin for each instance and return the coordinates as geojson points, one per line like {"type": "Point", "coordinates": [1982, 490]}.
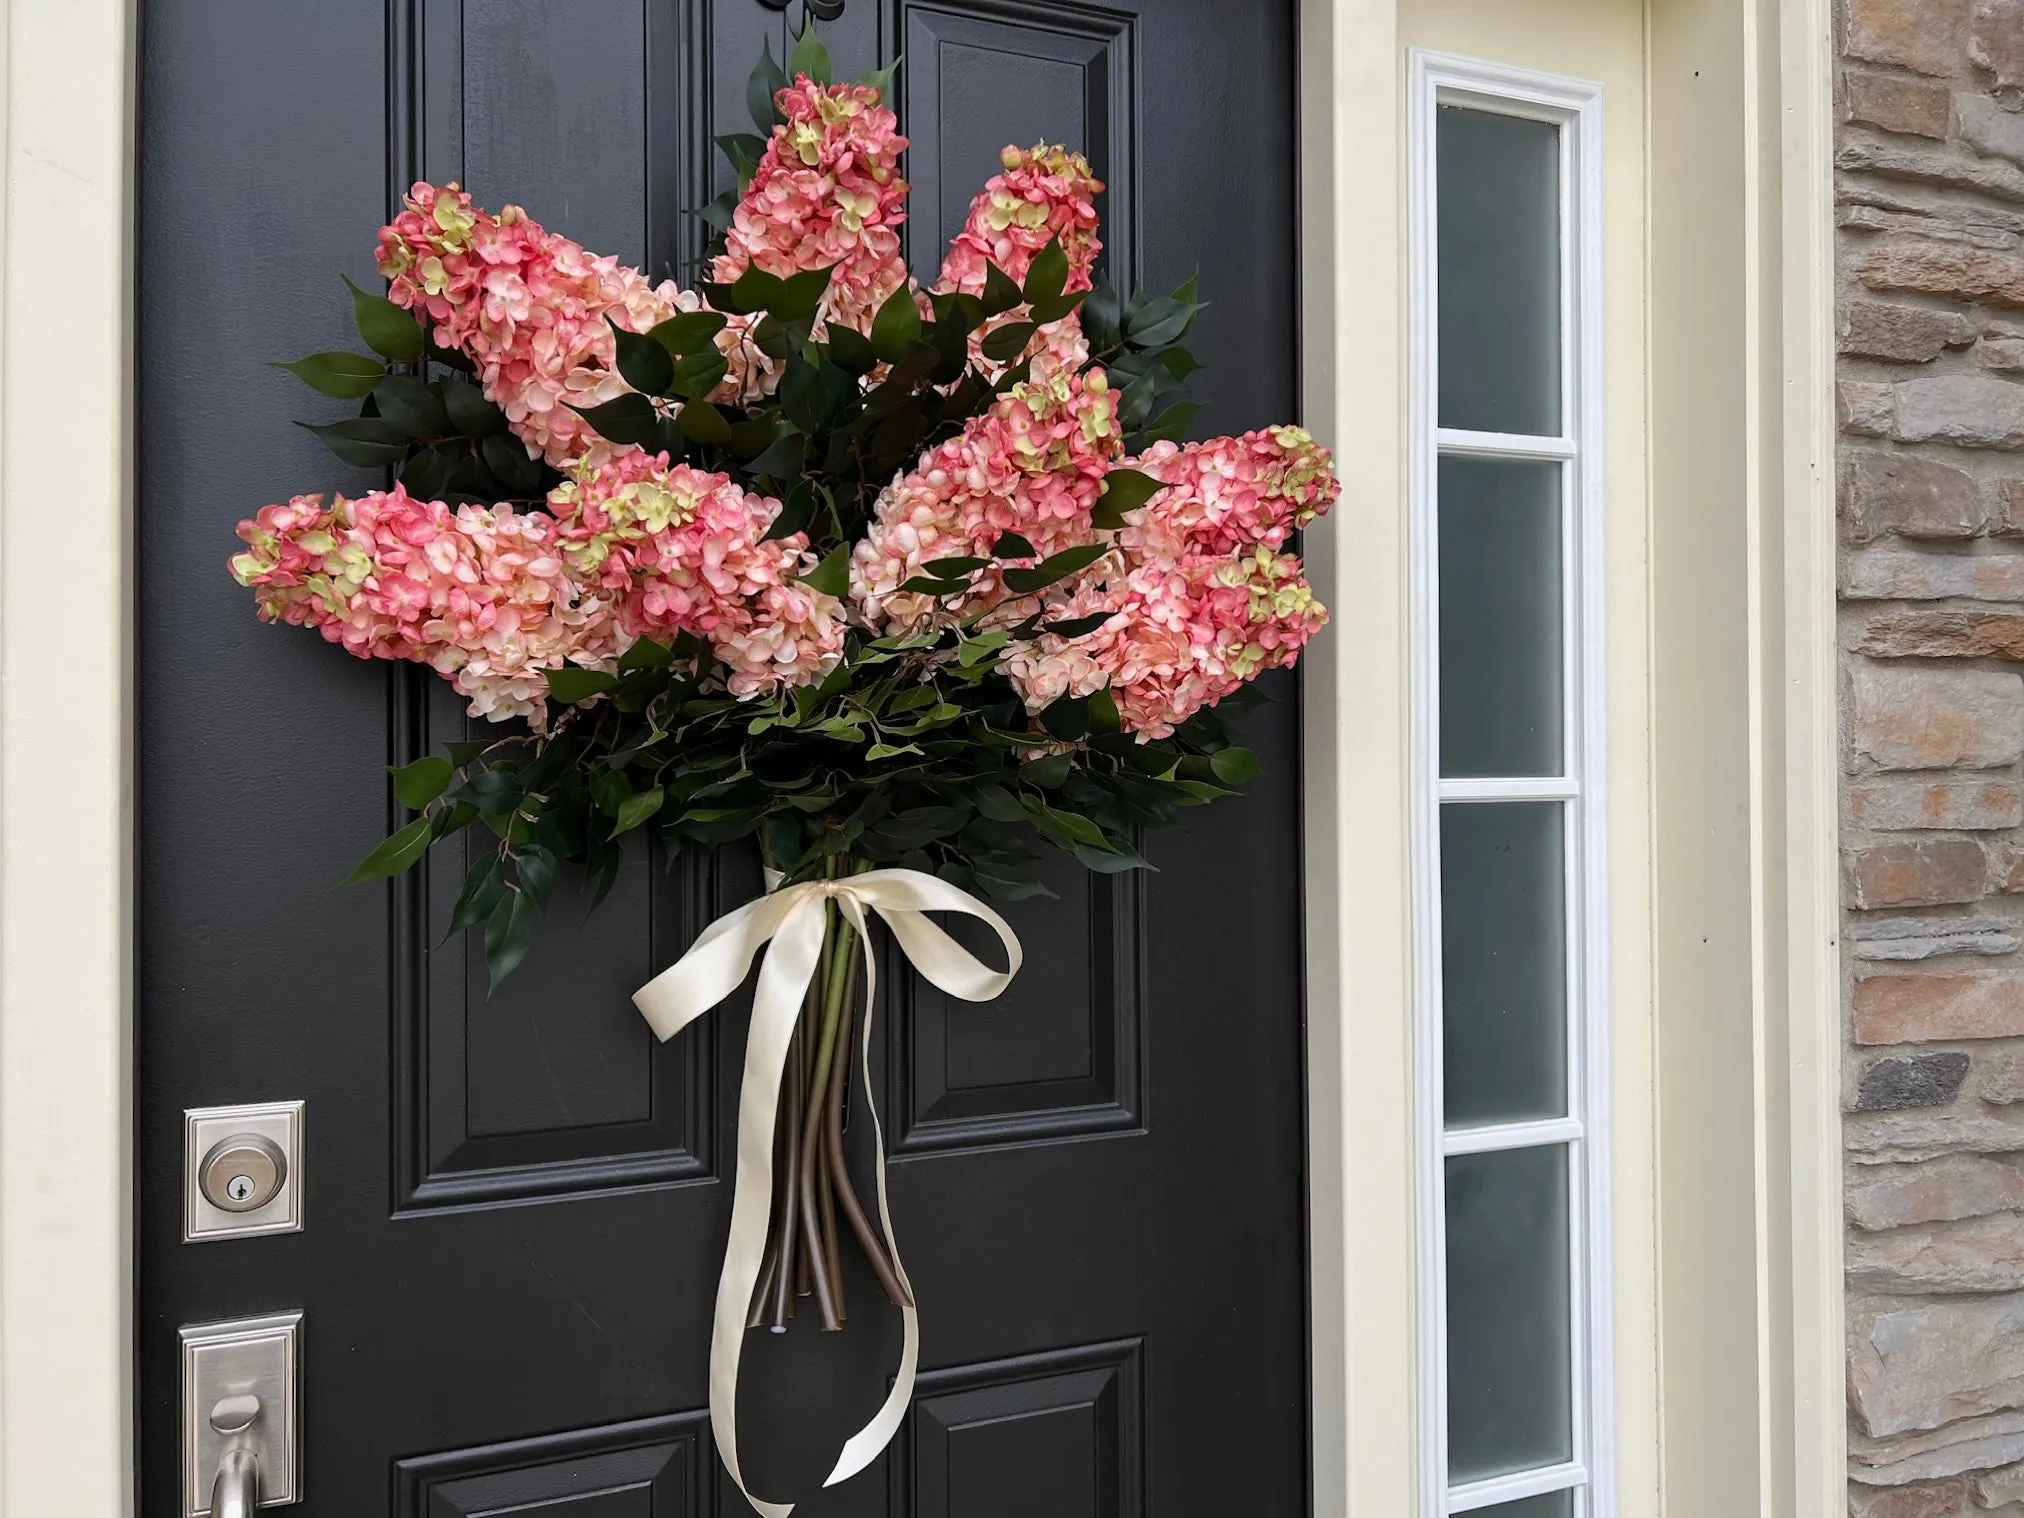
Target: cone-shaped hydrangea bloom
{"type": "Point", "coordinates": [529, 308]}
{"type": "Point", "coordinates": [1045, 192]}
{"type": "Point", "coordinates": [1200, 600]}
{"type": "Point", "coordinates": [1230, 493]}
{"type": "Point", "coordinates": [479, 593]}
{"type": "Point", "coordinates": [827, 194]}
{"type": "Point", "coordinates": [1033, 463]}
{"type": "Point", "coordinates": [1182, 635]}
{"type": "Point", "coordinates": [681, 550]}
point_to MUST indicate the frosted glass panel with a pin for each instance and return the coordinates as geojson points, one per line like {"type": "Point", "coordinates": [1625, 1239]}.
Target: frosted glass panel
{"type": "Point", "coordinates": [1500, 593]}
{"type": "Point", "coordinates": [1510, 1358]}
{"type": "Point", "coordinates": [1503, 961]}
{"type": "Point", "coordinates": [1498, 201]}
{"type": "Point", "coordinates": [1551, 1505]}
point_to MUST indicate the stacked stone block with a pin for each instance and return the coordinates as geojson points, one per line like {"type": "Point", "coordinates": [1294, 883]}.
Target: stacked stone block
{"type": "Point", "coordinates": [1930, 206]}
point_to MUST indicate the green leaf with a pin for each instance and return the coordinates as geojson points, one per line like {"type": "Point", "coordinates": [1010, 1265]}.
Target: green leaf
{"type": "Point", "coordinates": [1110, 861]}
{"type": "Point", "coordinates": [569, 685]}
{"type": "Point", "coordinates": [629, 419]}
{"type": "Point", "coordinates": [397, 853]}
{"type": "Point", "coordinates": [896, 326]}
{"type": "Point", "coordinates": [482, 889]}
{"type": "Point", "coordinates": [509, 934]}
{"type": "Point", "coordinates": [1046, 274]}
{"type": "Point", "coordinates": [1128, 489]}
{"type": "Point", "coordinates": [643, 362]}
{"type": "Point", "coordinates": [1103, 713]}
{"type": "Point", "coordinates": [801, 295]}
{"type": "Point", "coordinates": [703, 422]}
{"type": "Point", "coordinates": [810, 56]}
{"type": "Point", "coordinates": [766, 80]}
{"type": "Point", "coordinates": [1077, 627]}
{"type": "Point", "coordinates": [1048, 311]}
{"type": "Point", "coordinates": [882, 79]}
{"type": "Point", "coordinates": [423, 781]}
{"type": "Point", "coordinates": [1102, 318]}
{"type": "Point", "coordinates": [345, 376]}
{"type": "Point", "coordinates": [756, 290]}
{"type": "Point", "coordinates": [688, 331]}
{"type": "Point", "coordinates": [1008, 342]}
{"type": "Point", "coordinates": [427, 474]}
{"type": "Point", "coordinates": [645, 653]}
{"type": "Point", "coordinates": [797, 510]}
{"type": "Point", "coordinates": [957, 567]}
{"type": "Point", "coordinates": [1000, 292]}
{"type": "Point", "coordinates": [407, 403]}
{"type": "Point", "coordinates": [464, 750]}
{"type": "Point", "coordinates": [850, 349]}
{"type": "Point", "coordinates": [891, 750]}
{"type": "Point", "coordinates": [1054, 567]}
{"type": "Point", "coordinates": [698, 373]}
{"type": "Point", "coordinates": [1172, 422]}
{"type": "Point", "coordinates": [744, 150]}
{"type": "Point", "coordinates": [363, 440]}
{"type": "Point", "coordinates": [507, 457]}
{"type": "Point", "coordinates": [832, 576]}
{"type": "Point", "coordinates": [1234, 766]}
{"type": "Point", "coordinates": [387, 329]}
{"type": "Point", "coordinates": [781, 459]}
{"type": "Point", "coordinates": [637, 808]}
{"type": "Point", "coordinates": [1160, 321]}
{"type": "Point", "coordinates": [469, 412]}
{"type": "Point", "coordinates": [1047, 773]}
{"type": "Point", "coordinates": [1067, 718]}
{"type": "Point", "coordinates": [999, 804]}
{"type": "Point", "coordinates": [1011, 546]}
{"type": "Point", "coordinates": [535, 868]}
{"type": "Point", "coordinates": [1069, 826]}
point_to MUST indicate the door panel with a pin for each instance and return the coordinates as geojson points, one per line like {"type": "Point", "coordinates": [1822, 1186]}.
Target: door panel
{"type": "Point", "coordinates": [516, 1204]}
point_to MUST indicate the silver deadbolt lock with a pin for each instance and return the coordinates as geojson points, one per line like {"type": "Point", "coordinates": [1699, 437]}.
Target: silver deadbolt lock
{"type": "Point", "coordinates": [242, 1172]}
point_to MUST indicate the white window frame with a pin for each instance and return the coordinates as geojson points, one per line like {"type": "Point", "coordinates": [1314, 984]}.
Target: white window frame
{"type": "Point", "coordinates": [1575, 106]}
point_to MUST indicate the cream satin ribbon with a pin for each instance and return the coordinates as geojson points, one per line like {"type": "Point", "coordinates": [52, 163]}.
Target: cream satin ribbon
{"type": "Point", "coordinates": [791, 920]}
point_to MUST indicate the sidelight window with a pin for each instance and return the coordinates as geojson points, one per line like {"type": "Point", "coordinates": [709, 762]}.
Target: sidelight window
{"type": "Point", "coordinates": [1507, 500]}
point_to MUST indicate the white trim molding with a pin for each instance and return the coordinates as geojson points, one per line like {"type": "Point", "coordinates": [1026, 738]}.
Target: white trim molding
{"type": "Point", "coordinates": [1574, 107]}
{"type": "Point", "coordinates": [66, 837]}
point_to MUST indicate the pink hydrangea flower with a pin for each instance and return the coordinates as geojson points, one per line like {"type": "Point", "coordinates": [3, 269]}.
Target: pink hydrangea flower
{"type": "Point", "coordinates": [1045, 192]}
{"type": "Point", "coordinates": [1200, 599]}
{"type": "Point", "coordinates": [529, 308]}
{"type": "Point", "coordinates": [1182, 635]}
{"type": "Point", "coordinates": [1230, 493]}
{"type": "Point", "coordinates": [480, 594]}
{"type": "Point", "coordinates": [827, 192]}
{"type": "Point", "coordinates": [1033, 463]}
{"type": "Point", "coordinates": [681, 550]}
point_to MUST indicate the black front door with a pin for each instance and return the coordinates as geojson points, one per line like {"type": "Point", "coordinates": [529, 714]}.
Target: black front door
{"type": "Point", "coordinates": [515, 1207]}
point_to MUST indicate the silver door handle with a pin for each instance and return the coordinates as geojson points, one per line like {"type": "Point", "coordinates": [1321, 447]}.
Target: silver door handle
{"type": "Point", "coordinates": [236, 1491]}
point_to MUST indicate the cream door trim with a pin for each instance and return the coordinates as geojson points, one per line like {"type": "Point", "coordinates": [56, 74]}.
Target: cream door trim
{"type": "Point", "coordinates": [66, 837]}
{"type": "Point", "coordinates": [1727, 1152]}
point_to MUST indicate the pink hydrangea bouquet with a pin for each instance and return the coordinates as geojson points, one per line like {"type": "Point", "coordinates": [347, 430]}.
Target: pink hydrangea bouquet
{"type": "Point", "coordinates": [882, 574]}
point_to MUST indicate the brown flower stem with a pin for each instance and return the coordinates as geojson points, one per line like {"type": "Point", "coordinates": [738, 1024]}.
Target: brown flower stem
{"type": "Point", "coordinates": [869, 1239]}
{"type": "Point", "coordinates": [790, 1113]}
{"type": "Point", "coordinates": [762, 1289]}
{"type": "Point", "coordinates": [811, 1220]}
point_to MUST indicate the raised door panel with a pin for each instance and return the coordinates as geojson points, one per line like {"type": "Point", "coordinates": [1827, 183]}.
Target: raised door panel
{"type": "Point", "coordinates": [654, 1468]}
{"type": "Point", "coordinates": [1060, 1434]}
{"type": "Point", "coordinates": [553, 1084]}
{"type": "Point", "coordinates": [984, 73]}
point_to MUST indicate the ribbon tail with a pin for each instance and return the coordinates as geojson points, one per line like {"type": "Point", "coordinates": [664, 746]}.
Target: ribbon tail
{"type": "Point", "coordinates": [784, 975]}
{"type": "Point", "coordinates": [869, 1442]}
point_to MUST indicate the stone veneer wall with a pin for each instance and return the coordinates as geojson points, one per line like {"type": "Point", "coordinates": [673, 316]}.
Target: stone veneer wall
{"type": "Point", "coordinates": [1930, 197]}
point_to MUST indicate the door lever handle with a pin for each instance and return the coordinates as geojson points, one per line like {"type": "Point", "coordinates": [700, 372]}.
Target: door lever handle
{"type": "Point", "coordinates": [235, 1493]}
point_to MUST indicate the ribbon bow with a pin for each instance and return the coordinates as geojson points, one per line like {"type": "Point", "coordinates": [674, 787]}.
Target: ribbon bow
{"type": "Point", "coordinates": [791, 921]}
